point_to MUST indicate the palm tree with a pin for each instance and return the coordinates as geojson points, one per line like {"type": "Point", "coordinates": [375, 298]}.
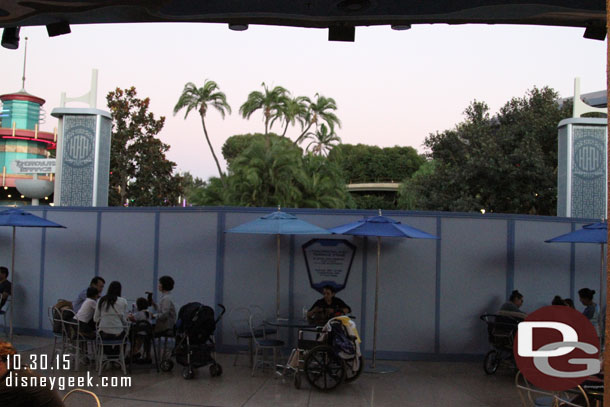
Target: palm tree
{"type": "Point", "coordinates": [263, 176]}
{"type": "Point", "coordinates": [292, 110]}
{"type": "Point", "coordinates": [269, 101]}
{"type": "Point", "coordinates": [323, 140]}
{"type": "Point", "coordinates": [201, 99]}
{"type": "Point", "coordinates": [321, 110]}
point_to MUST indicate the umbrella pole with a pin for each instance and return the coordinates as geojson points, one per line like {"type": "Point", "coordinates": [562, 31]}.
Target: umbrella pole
{"type": "Point", "coordinates": [12, 304]}
{"type": "Point", "coordinates": [277, 281]}
{"type": "Point", "coordinates": [601, 276]}
{"type": "Point", "coordinates": [376, 303]}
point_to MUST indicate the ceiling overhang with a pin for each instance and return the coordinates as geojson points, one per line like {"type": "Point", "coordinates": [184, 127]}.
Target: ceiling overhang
{"type": "Point", "coordinates": [305, 13]}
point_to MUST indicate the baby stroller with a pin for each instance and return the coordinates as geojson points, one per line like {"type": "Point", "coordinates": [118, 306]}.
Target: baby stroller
{"type": "Point", "coordinates": [501, 332]}
{"type": "Point", "coordinates": [195, 339]}
{"type": "Point", "coordinates": [333, 358]}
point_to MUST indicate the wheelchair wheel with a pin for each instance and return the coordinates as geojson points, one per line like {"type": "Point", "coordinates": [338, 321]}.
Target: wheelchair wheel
{"type": "Point", "coordinates": [215, 370]}
{"type": "Point", "coordinates": [492, 361]}
{"type": "Point", "coordinates": [166, 365]}
{"type": "Point", "coordinates": [188, 373]}
{"type": "Point", "coordinates": [350, 375]}
{"type": "Point", "coordinates": [324, 369]}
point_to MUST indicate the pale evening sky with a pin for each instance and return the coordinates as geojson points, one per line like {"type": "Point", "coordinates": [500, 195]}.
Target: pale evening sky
{"type": "Point", "coordinates": [391, 87]}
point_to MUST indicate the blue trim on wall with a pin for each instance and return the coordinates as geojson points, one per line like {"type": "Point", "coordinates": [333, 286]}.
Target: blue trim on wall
{"type": "Point", "coordinates": [156, 255]}
{"type": "Point", "coordinates": [43, 241]}
{"type": "Point", "coordinates": [437, 291]}
{"type": "Point", "coordinates": [220, 266]}
{"type": "Point", "coordinates": [573, 264]}
{"type": "Point", "coordinates": [362, 330]}
{"type": "Point", "coordinates": [291, 287]}
{"type": "Point", "coordinates": [98, 239]}
{"type": "Point", "coordinates": [311, 211]}
{"type": "Point", "coordinates": [510, 257]}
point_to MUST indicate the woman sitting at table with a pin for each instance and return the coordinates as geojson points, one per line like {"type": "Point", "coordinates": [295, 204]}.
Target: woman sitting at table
{"type": "Point", "coordinates": [110, 313]}
{"type": "Point", "coordinates": [328, 306]}
{"type": "Point", "coordinates": [84, 316]}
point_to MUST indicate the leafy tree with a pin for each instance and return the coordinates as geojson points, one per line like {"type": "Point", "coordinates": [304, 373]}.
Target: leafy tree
{"type": "Point", "coordinates": [235, 145]}
{"type": "Point", "coordinates": [408, 191]}
{"type": "Point", "coordinates": [323, 140]}
{"type": "Point", "coordinates": [322, 110]}
{"type": "Point", "coordinates": [376, 200]}
{"type": "Point", "coordinates": [277, 175]}
{"type": "Point", "coordinates": [139, 171]}
{"type": "Point", "coordinates": [201, 99]}
{"type": "Point", "coordinates": [506, 163]}
{"type": "Point", "coordinates": [362, 163]}
{"type": "Point", "coordinates": [269, 101]}
{"type": "Point", "coordinates": [191, 186]}
{"type": "Point", "coordinates": [322, 185]}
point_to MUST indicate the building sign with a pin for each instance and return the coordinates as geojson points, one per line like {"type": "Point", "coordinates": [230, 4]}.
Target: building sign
{"type": "Point", "coordinates": [328, 262]}
{"type": "Point", "coordinates": [33, 166]}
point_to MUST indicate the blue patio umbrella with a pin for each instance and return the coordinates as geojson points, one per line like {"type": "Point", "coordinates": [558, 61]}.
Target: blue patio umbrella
{"type": "Point", "coordinates": [591, 233]}
{"type": "Point", "coordinates": [380, 226]}
{"type": "Point", "coordinates": [19, 218]}
{"type": "Point", "coordinates": [278, 223]}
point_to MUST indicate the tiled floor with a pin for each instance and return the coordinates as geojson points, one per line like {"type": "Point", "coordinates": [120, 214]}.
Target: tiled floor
{"type": "Point", "coordinates": [414, 384]}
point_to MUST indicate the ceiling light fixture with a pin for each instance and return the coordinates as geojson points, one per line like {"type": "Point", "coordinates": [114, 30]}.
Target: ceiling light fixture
{"type": "Point", "coordinates": [10, 37]}
{"type": "Point", "coordinates": [340, 33]}
{"type": "Point", "coordinates": [59, 28]}
{"type": "Point", "coordinates": [238, 27]}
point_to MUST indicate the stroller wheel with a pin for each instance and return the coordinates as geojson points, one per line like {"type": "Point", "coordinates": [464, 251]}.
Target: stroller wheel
{"type": "Point", "coordinates": [188, 373]}
{"type": "Point", "coordinates": [492, 361]}
{"type": "Point", "coordinates": [166, 365]}
{"type": "Point", "coordinates": [324, 369]}
{"type": "Point", "coordinates": [350, 374]}
{"type": "Point", "coordinates": [297, 380]}
{"type": "Point", "coordinates": [215, 370]}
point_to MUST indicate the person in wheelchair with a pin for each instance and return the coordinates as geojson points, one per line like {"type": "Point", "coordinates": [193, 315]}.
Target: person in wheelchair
{"type": "Point", "coordinates": [327, 307]}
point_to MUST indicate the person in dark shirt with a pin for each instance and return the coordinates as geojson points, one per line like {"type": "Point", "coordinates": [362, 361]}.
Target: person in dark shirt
{"type": "Point", "coordinates": [512, 308]}
{"type": "Point", "coordinates": [328, 306]}
{"type": "Point", "coordinates": [5, 287]}
{"type": "Point", "coordinates": [15, 395]}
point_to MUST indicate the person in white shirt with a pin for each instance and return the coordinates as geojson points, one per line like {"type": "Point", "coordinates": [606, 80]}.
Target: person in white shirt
{"type": "Point", "coordinates": [84, 316]}
{"type": "Point", "coordinates": [110, 313]}
{"type": "Point", "coordinates": [96, 282]}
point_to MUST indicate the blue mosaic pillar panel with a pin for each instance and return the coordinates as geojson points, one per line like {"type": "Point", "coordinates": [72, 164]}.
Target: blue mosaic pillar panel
{"type": "Point", "coordinates": [581, 175]}
{"type": "Point", "coordinates": [83, 157]}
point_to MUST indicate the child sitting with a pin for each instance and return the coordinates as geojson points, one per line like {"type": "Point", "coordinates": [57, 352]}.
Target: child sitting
{"type": "Point", "coordinates": [142, 314]}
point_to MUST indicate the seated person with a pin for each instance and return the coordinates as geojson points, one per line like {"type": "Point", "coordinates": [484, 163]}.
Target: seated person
{"type": "Point", "coordinates": [84, 316]}
{"type": "Point", "coordinates": [511, 308]}
{"type": "Point", "coordinates": [110, 313]}
{"type": "Point", "coordinates": [557, 300]}
{"type": "Point", "coordinates": [591, 310]}
{"type": "Point", "coordinates": [22, 396]}
{"type": "Point", "coordinates": [142, 314]}
{"type": "Point", "coordinates": [165, 310]}
{"type": "Point", "coordinates": [97, 282]}
{"type": "Point", "coordinates": [328, 306]}
{"type": "Point", "coordinates": [5, 287]}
